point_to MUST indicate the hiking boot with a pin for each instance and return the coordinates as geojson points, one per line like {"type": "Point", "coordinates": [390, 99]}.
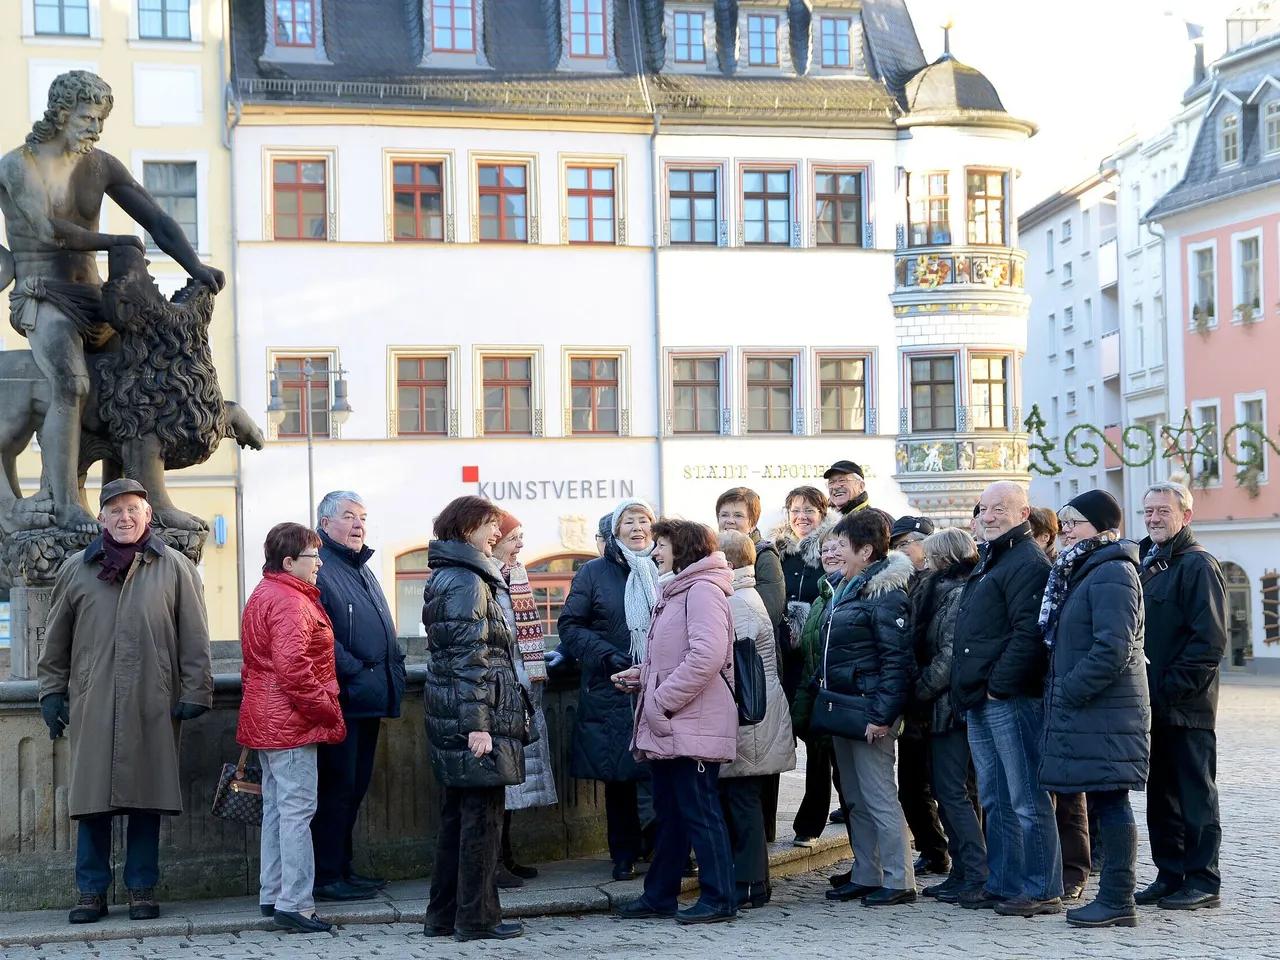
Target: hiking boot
{"type": "Point", "coordinates": [91, 908]}
{"type": "Point", "coordinates": [1028, 907]}
{"type": "Point", "coordinates": [142, 904]}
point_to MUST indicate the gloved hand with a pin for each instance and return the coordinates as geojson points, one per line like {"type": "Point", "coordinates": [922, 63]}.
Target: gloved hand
{"type": "Point", "coordinates": [555, 660]}
{"type": "Point", "coordinates": [188, 711]}
{"type": "Point", "coordinates": [54, 709]}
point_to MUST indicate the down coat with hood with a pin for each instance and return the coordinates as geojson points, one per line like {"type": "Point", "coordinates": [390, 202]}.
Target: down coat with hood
{"type": "Point", "coordinates": [593, 630]}
{"type": "Point", "coordinates": [686, 706]}
{"type": "Point", "coordinates": [868, 647]}
{"type": "Point", "coordinates": [766, 747]}
{"type": "Point", "coordinates": [290, 686]}
{"type": "Point", "coordinates": [1097, 712]}
{"type": "Point", "coordinates": [801, 575]}
{"type": "Point", "coordinates": [471, 684]}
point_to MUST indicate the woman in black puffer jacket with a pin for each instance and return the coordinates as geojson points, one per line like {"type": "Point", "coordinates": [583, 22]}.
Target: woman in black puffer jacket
{"type": "Point", "coordinates": [867, 652]}
{"type": "Point", "coordinates": [1097, 711]}
{"type": "Point", "coordinates": [477, 719]}
{"type": "Point", "coordinates": [952, 555]}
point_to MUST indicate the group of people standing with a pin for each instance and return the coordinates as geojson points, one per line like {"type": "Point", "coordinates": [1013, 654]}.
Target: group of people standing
{"type": "Point", "coordinates": [1010, 697]}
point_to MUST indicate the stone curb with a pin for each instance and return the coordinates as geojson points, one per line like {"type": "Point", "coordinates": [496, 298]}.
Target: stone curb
{"type": "Point", "coordinates": [564, 888]}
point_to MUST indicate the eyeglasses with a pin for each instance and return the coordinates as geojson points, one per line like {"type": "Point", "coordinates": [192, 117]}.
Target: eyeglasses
{"type": "Point", "coordinates": [308, 556]}
{"type": "Point", "coordinates": [1066, 526]}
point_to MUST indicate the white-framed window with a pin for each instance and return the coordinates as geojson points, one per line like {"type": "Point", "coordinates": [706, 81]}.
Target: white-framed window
{"type": "Point", "coordinates": [1205, 414]}
{"type": "Point", "coordinates": [507, 390]}
{"type": "Point", "coordinates": [1091, 403]}
{"type": "Point", "coordinates": [595, 391]}
{"type": "Point", "coordinates": [1252, 408]}
{"type": "Point", "coordinates": [1203, 271]}
{"type": "Point", "coordinates": [62, 18]}
{"type": "Point", "coordinates": [836, 49]}
{"type": "Point", "coordinates": [1055, 416]}
{"type": "Point", "coordinates": [1271, 128]}
{"type": "Point", "coordinates": [1066, 230]}
{"type": "Point", "coordinates": [1069, 359]}
{"type": "Point", "coordinates": [762, 40]}
{"type": "Point", "coordinates": [1066, 272]}
{"type": "Point", "coordinates": [1071, 403]}
{"type": "Point", "coordinates": [1157, 330]}
{"type": "Point", "coordinates": [1048, 251]}
{"type": "Point", "coordinates": [1229, 140]}
{"type": "Point", "coordinates": [1247, 251]}
{"type": "Point", "coordinates": [1088, 318]}
{"type": "Point", "coordinates": [1068, 318]}
{"type": "Point", "coordinates": [690, 36]}
{"type": "Point", "coordinates": [166, 19]}
{"type": "Point", "coordinates": [1053, 335]}
{"type": "Point", "coordinates": [423, 396]}
{"type": "Point", "coordinates": [1086, 229]}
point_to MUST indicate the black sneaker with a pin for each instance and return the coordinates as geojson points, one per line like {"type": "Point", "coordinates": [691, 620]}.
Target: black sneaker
{"type": "Point", "coordinates": [91, 908]}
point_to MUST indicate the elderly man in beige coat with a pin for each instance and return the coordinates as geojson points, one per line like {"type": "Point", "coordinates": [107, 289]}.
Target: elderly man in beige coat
{"type": "Point", "coordinates": [126, 659]}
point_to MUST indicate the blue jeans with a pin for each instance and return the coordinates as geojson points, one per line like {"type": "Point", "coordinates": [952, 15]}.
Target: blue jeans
{"type": "Point", "coordinates": [686, 799]}
{"type": "Point", "coordinates": [1023, 854]}
{"type": "Point", "coordinates": [141, 858]}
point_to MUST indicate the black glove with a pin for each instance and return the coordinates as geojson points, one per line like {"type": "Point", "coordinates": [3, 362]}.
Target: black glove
{"type": "Point", "coordinates": [53, 707]}
{"type": "Point", "coordinates": [188, 711]}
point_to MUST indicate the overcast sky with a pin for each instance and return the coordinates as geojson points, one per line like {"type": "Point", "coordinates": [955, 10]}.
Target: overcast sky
{"type": "Point", "coordinates": [1088, 73]}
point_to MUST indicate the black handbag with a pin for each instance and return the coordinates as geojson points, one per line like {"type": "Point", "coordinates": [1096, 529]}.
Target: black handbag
{"type": "Point", "coordinates": [238, 796]}
{"type": "Point", "coordinates": [749, 683]}
{"type": "Point", "coordinates": [839, 714]}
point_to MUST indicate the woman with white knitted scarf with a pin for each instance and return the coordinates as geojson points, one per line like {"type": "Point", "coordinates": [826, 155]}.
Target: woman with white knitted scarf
{"type": "Point", "coordinates": [604, 625]}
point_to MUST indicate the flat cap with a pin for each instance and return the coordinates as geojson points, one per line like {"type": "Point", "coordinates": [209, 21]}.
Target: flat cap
{"type": "Point", "coordinates": [117, 487]}
{"type": "Point", "coordinates": [904, 525]}
{"type": "Point", "coordinates": [842, 466]}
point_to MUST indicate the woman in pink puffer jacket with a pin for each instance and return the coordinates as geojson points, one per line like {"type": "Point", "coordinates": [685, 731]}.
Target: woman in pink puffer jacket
{"type": "Point", "coordinates": [687, 722]}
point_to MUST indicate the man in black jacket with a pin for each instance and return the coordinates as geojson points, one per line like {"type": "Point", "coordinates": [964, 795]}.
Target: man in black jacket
{"type": "Point", "coordinates": [371, 683]}
{"type": "Point", "coordinates": [997, 678]}
{"type": "Point", "coordinates": [847, 488]}
{"type": "Point", "coordinates": [1186, 637]}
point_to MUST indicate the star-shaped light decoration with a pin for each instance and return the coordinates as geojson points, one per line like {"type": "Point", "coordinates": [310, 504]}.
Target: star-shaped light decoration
{"type": "Point", "coordinates": [1201, 443]}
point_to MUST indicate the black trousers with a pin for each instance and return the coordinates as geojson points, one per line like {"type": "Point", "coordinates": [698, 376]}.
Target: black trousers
{"type": "Point", "coordinates": [464, 880]}
{"type": "Point", "coordinates": [622, 819]}
{"type": "Point", "coordinates": [956, 788]}
{"type": "Point", "coordinates": [1182, 807]}
{"type": "Point", "coordinates": [343, 773]}
{"type": "Point", "coordinates": [1072, 814]}
{"type": "Point", "coordinates": [916, 797]}
{"type": "Point", "coordinates": [769, 805]}
{"type": "Point", "coordinates": [740, 798]}
{"type": "Point", "coordinates": [815, 807]}
{"type": "Point", "coordinates": [687, 802]}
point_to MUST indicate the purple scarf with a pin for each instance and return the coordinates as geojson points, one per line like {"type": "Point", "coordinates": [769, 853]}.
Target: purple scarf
{"type": "Point", "coordinates": [117, 558]}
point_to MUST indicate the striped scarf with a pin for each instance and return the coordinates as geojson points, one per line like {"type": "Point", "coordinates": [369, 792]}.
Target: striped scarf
{"type": "Point", "coordinates": [528, 622]}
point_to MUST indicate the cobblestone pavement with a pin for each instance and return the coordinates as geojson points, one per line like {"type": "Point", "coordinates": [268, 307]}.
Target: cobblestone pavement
{"type": "Point", "coordinates": [800, 923]}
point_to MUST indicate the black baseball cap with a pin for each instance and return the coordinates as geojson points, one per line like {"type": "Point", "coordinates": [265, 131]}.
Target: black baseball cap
{"type": "Point", "coordinates": [904, 525]}
{"type": "Point", "coordinates": [843, 466]}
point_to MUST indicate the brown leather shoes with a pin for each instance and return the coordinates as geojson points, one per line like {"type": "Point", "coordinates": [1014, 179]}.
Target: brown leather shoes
{"type": "Point", "coordinates": [143, 905]}
{"type": "Point", "coordinates": [91, 908]}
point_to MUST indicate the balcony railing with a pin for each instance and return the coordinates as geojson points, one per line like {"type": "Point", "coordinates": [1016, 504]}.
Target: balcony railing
{"type": "Point", "coordinates": [978, 268]}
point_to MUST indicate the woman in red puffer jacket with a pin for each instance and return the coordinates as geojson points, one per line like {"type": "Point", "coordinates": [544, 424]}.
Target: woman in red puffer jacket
{"type": "Point", "coordinates": [290, 704]}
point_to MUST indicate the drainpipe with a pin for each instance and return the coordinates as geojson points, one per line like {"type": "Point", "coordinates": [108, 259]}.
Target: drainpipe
{"type": "Point", "coordinates": [655, 227]}
{"type": "Point", "coordinates": [231, 113]}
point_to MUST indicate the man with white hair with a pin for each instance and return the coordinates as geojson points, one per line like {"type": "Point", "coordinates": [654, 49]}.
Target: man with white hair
{"type": "Point", "coordinates": [371, 683]}
{"type": "Point", "coordinates": [997, 678]}
{"type": "Point", "coordinates": [1185, 597]}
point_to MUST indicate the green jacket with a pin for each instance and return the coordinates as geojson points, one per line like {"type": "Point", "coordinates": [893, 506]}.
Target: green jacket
{"type": "Point", "coordinates": [811, 648]}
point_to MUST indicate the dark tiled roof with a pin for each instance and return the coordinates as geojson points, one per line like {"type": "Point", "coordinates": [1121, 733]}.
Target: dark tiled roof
{"type": "Point", "coordinates": [375, 48]}
{"type": "Point", "coordinates": [948, 86]}
{"type": "Point", "coordinates": [1204, 181]}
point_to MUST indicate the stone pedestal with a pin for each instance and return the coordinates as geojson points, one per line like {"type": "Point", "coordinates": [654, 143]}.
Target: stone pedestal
{"type": "Point", "coordinates": [28, 613]}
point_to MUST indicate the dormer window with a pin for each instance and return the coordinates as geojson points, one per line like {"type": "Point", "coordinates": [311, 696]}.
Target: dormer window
{"type": "Point", "coordinates": [690, 27]}
{"type": "Point", "coordinates": [1271, 128]}
{"type": "Point", "coordinates": [453, 28]}
{"type": "Point", "coordinates": [295, 23]}
{"type": "Point", "coordinates": [1229, 140]}
{"type": "Point", "coordinates": [587, 29]}
{"type": "Point", "coordinates": [836, 51]}
{"type": "Point", "coordinates": [762, 40]}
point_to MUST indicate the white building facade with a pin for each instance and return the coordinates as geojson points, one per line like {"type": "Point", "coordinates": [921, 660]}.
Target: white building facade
{"type": "Point", "coordinates": [731, 265]}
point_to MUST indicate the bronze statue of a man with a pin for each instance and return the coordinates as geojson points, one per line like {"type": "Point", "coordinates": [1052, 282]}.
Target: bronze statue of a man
{"type": "Point", "coordinates": [51, 191]}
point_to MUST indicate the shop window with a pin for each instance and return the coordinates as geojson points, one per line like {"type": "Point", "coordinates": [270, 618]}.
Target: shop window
{"type": "Point", "coordinates": [411, 580]}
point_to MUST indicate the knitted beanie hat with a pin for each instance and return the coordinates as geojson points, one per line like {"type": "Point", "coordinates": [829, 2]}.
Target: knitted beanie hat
{"type": "Point", "coordinates": [1099, 508]}
{"type": "Point", "coordinates": [633, 503]}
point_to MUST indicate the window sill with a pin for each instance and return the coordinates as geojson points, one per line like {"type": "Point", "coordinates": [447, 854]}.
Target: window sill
{"type": "Point", "coordinates": [164, 43]}
{"type": "Point", "coordinates": [61, 40]}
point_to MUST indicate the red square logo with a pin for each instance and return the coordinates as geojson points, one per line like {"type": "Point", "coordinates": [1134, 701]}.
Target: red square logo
{"type": "Point", "coordinates": [470, 474]}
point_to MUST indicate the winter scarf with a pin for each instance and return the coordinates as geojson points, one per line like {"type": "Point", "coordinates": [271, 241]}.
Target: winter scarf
{"type": "Point", "coordinates": [533, 650]}
{"type": "Point", "coordinates": [640, 595]}
{"type": "Point", "coordinates": [1059, 585]}
{"type": "Point", "coordinates": [117, 558]}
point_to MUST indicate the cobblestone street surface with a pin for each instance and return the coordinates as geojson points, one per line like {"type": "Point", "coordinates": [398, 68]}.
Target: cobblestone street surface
{"type": "Point", "coordinates": [801, 923]}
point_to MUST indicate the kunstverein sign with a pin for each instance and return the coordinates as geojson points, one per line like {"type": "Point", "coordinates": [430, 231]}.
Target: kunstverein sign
{"type": "Point", "coordinates": [585, 488]}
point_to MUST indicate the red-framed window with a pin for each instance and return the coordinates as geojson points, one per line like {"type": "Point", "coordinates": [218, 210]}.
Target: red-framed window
{"type": "Point", "coordinates": [985, 197]}
{"type": "Point", "coordinates": [692, 202]}
{"type": "Point", "coordinates": [550, 579]}
{"type": "Point", "coordinates": [453, 26]}
{"type": "Point", "coordinates": [592, 202]}
{"type": "Point", "coordinates": [299, 420]}
{"type": "Point", "coordinates": [770, 392]}
{"type": "Point", "coordinates": [835, 42]}
{"type": "Point", "coordinates": [689, 29]}
{"type": "Point", "coordinates": [928, 209]}
{"type": "Point", "coordinates": [762, 40]}
{"type": "Point", "coordinates": [766, 207]}
{"type": "Point", "coordinates": [504, 202]}
{"type": "Point", "coordinates": [594, 395]}
{"type": "Point", "coordinates": [295, 23]}
{"type": "Point", "coordinates": [417, 200]}
{"type": "Point", "coordinates": [508, 395]}
{"type": "Point", "coordinates": [842, 394]}
{"type": "Point", "coordinates": [838, 210]}
{"type": "Point", "coordinates": [587, 29]}
{"type": "Point", "coordinates": [422, 396]}
{"type": "Point", "coordinates": [696, 393]}
{"type": "Point", "coordinates": [300, 199]}
{"type": "Point", "coordinates": [933, 394]}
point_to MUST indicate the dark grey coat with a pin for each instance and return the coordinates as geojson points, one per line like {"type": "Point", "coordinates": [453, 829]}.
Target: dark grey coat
{"type": "Point", "coordinates": [1097, 712]}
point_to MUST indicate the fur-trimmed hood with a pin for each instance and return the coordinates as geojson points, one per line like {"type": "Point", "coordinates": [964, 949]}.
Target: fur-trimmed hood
{"type": "Point", "coordinates": [894, 575]}
{"type": "Point", "coordinates": [810, 548]}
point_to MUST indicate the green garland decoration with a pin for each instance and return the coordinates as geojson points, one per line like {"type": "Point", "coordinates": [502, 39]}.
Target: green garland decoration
{"type": "Point", "coordinates": [1039, 443]}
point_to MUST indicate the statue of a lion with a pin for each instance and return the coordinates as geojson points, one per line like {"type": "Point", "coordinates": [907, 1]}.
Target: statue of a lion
{"type": "Point", "coordinates": [154, 403]}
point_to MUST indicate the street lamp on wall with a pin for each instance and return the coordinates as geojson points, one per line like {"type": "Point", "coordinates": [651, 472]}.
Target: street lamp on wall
{"type": "Point", "coordinates": [339, 412]}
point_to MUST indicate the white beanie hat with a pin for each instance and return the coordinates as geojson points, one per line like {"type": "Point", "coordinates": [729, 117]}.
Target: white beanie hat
{"type": "Point", "coordinates": [633, 503]}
